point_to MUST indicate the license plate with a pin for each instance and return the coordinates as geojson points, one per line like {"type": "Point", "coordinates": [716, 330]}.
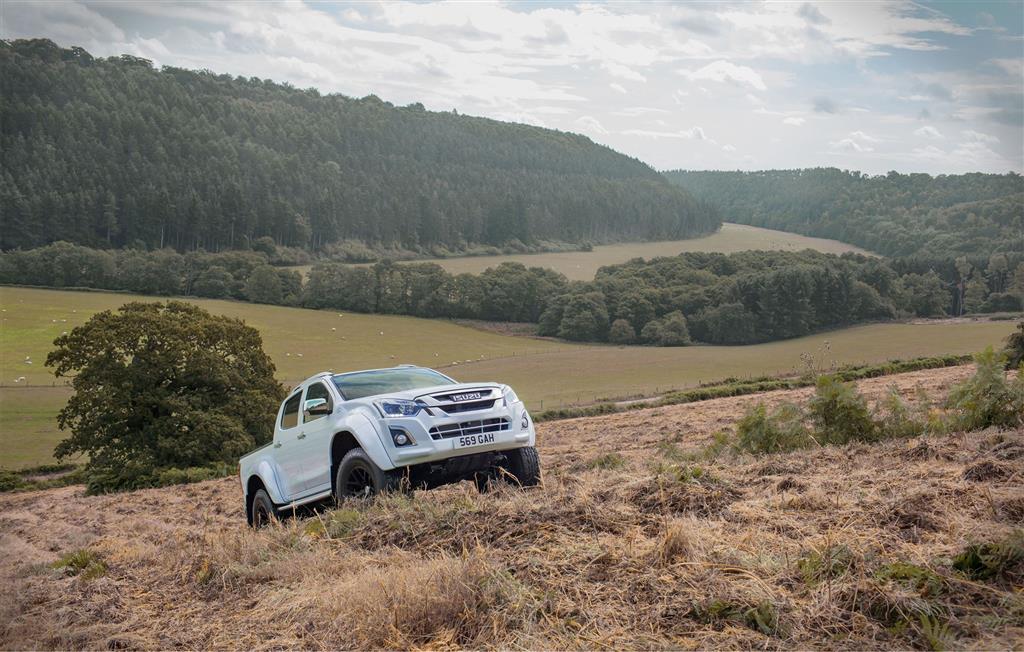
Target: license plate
{"type": "Point", "coordinates": [474, 440]}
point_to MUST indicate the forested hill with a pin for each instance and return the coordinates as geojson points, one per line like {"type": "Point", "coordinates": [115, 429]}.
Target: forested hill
{"type": "Point", "coordinates": [110, 152]}
{"type": "Point", "coordinates": [895, 214]}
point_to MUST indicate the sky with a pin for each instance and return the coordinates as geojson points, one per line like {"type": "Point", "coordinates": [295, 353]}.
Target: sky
{"type": "Point", "coordinates": [873, 86]}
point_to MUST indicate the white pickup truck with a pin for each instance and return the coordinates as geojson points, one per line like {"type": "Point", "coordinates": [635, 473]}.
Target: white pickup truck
{"type": "Point", "coordinates": [360, 433]}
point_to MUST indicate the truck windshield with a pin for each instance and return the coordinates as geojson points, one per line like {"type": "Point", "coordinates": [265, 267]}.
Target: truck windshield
{"type": "Point", "coordinates": [361, 384]}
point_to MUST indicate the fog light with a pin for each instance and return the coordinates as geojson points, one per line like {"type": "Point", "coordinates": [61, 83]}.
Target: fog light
{"type": "Point", "coordinates": [525, 423]}
{"type": "Point", "coordinates": [401, 437]}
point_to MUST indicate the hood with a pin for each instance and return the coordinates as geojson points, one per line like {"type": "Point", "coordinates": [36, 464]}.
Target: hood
{"type": "Point", "coordinates": [447, 394]}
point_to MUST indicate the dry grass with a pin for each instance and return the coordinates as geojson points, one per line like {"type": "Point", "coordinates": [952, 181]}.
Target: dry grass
{"type": "Point", "coordinates": [836, 547]}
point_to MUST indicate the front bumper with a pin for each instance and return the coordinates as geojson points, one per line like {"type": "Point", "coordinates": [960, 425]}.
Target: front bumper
{"type": "Point", "coordinates": [438, 437]}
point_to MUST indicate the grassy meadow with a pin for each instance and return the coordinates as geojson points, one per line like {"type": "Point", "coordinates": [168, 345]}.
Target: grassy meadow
{"type": "Point", "coordinates": [583, 265]}
{"type": "Point", "coordinates": [545, 373]}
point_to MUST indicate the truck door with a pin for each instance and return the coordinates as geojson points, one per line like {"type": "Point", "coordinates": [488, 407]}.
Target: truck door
{"type": "Point", "coordinates": [316, 432]}
{"type": "Point", "coordinates": [286, 449]}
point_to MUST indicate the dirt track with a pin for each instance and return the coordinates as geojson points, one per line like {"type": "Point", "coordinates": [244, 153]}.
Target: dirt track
{"type": "Point", "coordinates": [599, 557]}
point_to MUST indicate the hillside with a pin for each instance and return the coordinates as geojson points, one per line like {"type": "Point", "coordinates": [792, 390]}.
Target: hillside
{"type": "Point", "coordinates": [114, 152]}
{"type": "Point", "coordinates": [829, 548]}
{"type": "Point", "coordinates": [895, 215]}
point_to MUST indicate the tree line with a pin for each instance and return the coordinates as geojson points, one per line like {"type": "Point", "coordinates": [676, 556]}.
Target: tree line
{"type": "Point", "coordinates": [740, 298]}
{"type": "Point", "coordinates": [113, 152]}
{"type": "Point", "coordinates": [893, 214]}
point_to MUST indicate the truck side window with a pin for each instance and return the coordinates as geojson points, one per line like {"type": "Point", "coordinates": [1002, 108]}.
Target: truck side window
{"type": "Point", "coordinates": [290, 416]}
{"type": "Point", "coordinates": [317, 410]}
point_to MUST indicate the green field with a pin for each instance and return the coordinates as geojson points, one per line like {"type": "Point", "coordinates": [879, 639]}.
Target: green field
{"type": "Point", "coordinates": [583, 265]}
{"type": "Point", "coordinates": [545, 373]}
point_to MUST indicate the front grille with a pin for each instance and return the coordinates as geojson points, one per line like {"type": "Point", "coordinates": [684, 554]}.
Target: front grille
{"type": "Point", "coordinates": [469, 428]}
{"type": "Point", "coordinates": [455, 408]}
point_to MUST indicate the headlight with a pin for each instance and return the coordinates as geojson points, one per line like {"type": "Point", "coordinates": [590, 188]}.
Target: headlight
{"type": "Point", "coordinates": [398, 407]}
{"type": "Point", "coordinates": [510, 397]}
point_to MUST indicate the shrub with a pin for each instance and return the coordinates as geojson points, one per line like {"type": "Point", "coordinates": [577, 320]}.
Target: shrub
{"type": "Point", "coordinates": [987, 398]}
{"type": "Point", "coordinates": [10, 481]}
{"type": "Point", "coordinates": [992, 559]}
{"type": "Point", "coordinates": [1014, 351]}
{"type": "Point", "coordinates": [84, 563]}
{"type": "Point", "coordinates": [840, 414]}
{"type": "Point", "coordinates": [611, 460]}
{"type": "Point", "coordinates": [896, 420]}
{"type": "Point", "coordinates": [828, 564]}
{"type": "Point", "coordinates": [782, 430]}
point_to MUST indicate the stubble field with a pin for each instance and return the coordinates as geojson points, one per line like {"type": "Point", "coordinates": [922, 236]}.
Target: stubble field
{"type": "Point", "coordinates": [583, 265]}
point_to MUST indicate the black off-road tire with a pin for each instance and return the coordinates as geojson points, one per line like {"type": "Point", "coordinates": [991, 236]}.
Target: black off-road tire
{"type": "Point", "coordinates": [359, 477]}
{"type": "Point", "coordinates": [524, 465]}
{"type": "Point", "coordinates": [262, 512]}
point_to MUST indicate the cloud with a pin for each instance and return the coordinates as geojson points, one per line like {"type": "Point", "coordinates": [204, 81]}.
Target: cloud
{"type": "Point", "coordinates": [937, 91]}
{"type": "Point", "coordinates": [928, 131]}
{"type": "Point", "coordinates": [855, 141]}
{"type": "Point", "coordinates": [824, 105]}
{"type": "Point", "coordinates": [978, 137]}
{"type": "Point", "coordinates": [728, 148]}
{"type": "Point", "coordinates": [725, 71]}
{"type": "Point", "coordinates": [705, 23]}
{"type": "Point", "coordinates": [813, 15]}
{"type": "Point", "coordinates": [622, 72]}
{"type": "Point", "coordinates": [850, 145]}
{"type": "Point", "coordinates": [924, 114]}
{"type": "Point", "coordinates": [863, 137]}
{"type": "Point", "coordinates": [928, 152]}
{"type": "Point", "coordinates": [634, 111]}
{"type": "Point", "coordinates": [1012, 67]}
{"type": "Point", "coordinates": [618, 88]}
{"type": "Point", "coordinates": [693, 133]}
{"type": "Point", "coordinates": [591, 124]}
{"type": "Point", "coordinates": [794, 121]}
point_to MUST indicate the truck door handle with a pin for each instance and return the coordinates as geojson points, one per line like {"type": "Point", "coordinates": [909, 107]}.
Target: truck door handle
{"type": "Point", "coordinates": [301, 436]}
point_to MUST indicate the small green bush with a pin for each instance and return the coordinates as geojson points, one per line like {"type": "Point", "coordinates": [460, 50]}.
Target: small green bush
{"type": "Point", "coordinates": [1015, 347]}
{"type": "Point", "coordinates": [988, 398]}
{"type": "Point", "coordinates": [840, 414]}
{"type": "Point", "coordinates": [896, 420]}
{"type": "Point", "coordinates": [611, 460]}
{"type": "Point", "coordinates": [136, 475]}
{"type": "Point", "coordinates": [926, 582]}
{"type": "Point", "coordinates": [335, 524]}
{"type": "Point", "coordinates": [84, 563]}
{"type": "Point", "coordinates": [781, 430]}
{"type": "Point", "coordinates": [11, 481]}
{"type": "Point", "coordinates": [762, 617]}
{"type": "Point", "coordinates": [994, 559]}
{"type": "Point", "coordinates": [828, 564]}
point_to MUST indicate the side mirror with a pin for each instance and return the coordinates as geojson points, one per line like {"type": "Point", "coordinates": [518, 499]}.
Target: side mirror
{"type": "Point", "coordinates": [317, 407]}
